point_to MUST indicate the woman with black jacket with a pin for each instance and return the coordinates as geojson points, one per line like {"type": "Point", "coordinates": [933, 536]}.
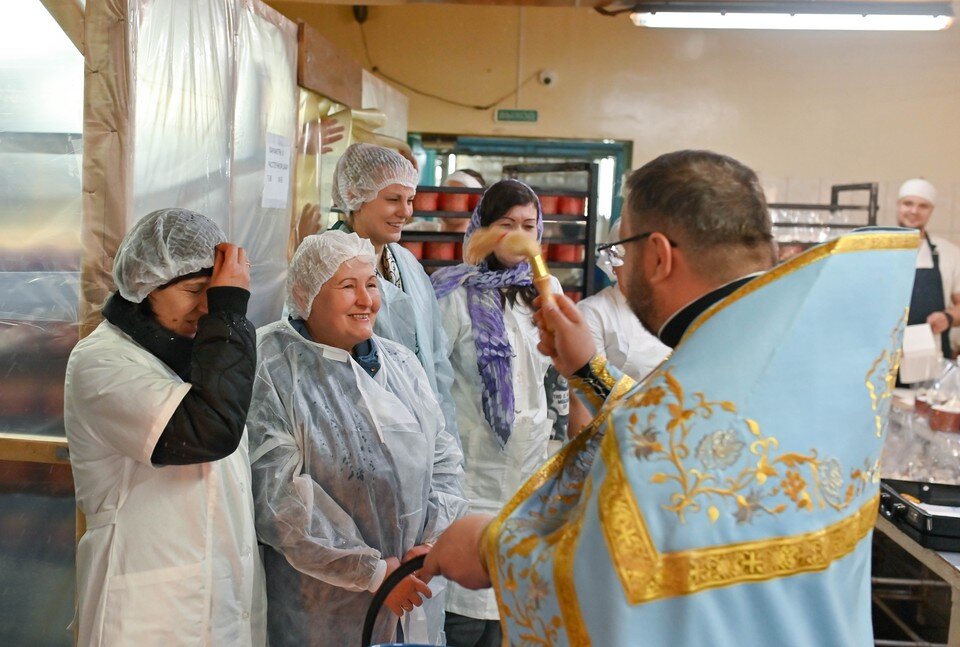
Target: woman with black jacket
{"type": "Point", "coordinates": [155, 408]}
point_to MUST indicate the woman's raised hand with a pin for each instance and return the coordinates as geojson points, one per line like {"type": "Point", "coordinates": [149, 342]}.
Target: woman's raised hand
{"type": "Point", "coordinates": [230, 267]}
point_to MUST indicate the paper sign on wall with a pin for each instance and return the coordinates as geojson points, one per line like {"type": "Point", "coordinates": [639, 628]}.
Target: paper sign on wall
{"type": "Point", "coordinates": [276, 172]}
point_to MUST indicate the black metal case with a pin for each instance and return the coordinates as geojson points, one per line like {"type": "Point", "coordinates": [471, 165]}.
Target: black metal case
{"type": "Point", "coordinates": [899, 503]}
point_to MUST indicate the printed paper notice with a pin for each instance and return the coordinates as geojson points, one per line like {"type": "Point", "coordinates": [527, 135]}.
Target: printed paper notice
{"type": "Point", "coordinates": [276, 172]}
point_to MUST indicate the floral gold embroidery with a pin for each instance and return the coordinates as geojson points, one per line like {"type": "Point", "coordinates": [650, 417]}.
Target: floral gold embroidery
{"type": "Point", "coordinates": [647, 575]}
{"type": "Point", "coordinates": [734, 466]}
{"type": "Point", "coordinates": [882, 376]}
{"type": "Point", "coordinates": [529, 547]}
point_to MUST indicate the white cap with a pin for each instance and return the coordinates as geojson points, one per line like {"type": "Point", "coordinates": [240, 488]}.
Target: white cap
{"type": "Point", "coordinates": [365, 170]}
{"type": "Point", "coordinates": [918, 188]}
{"type": "Point", "coordinates": [161, 246]}
{"type": "Point", "coordinates": [316, 261]}
{"type": "Point", "coordinates": [465, 179]}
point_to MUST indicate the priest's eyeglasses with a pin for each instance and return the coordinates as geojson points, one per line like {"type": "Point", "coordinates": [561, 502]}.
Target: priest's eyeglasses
{"type": "Point", "coordinates": [617, 250]}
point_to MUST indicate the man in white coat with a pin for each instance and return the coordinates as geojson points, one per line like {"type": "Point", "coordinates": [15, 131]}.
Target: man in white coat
{"type": "Point", "coordinates": [936, 287]}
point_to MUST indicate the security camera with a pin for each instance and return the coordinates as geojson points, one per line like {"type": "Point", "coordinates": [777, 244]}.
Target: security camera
{"type": "Point", "coordinates": [547, 77]}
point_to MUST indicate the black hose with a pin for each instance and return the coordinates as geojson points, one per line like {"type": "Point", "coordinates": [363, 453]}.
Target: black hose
{"type": "Point", "coordinates": [376, 603]}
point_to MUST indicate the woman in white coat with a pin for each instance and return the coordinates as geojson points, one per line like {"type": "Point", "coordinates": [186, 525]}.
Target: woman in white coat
{"type": "Point", "coordinates": [510, 401]}
{"type": "Point", "coordinates": [352, 468]}
{"type": "Point", "coordinates": [155, 405]}
{"type": "Point", "coordinates": [374, 186]}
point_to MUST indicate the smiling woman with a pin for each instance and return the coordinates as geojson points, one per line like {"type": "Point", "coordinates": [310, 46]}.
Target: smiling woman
{"type": "Point", "coordinates": [346, 306]}
{"type": "Point", "coordinates": [353, 471]}
{"type": "Point", "coordinates": [375, 187]}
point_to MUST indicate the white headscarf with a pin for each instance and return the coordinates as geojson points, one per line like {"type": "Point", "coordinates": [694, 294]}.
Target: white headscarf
{"type": "Point", "coordinates": [918, 188]}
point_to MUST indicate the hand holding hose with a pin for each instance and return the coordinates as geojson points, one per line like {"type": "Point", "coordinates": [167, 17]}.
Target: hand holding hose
{"type": "Point", "coordinates": [406, 595]}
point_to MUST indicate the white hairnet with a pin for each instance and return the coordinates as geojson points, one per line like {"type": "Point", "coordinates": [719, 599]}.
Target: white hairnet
{"type": "Point", "coordinates": [317, 259]}
{"type": "Point", "coordinates": [365, 170]}
{"type": "Point", "coordinates": [605, 261]}
{"type": "Point", "coordinates": [163, 245]}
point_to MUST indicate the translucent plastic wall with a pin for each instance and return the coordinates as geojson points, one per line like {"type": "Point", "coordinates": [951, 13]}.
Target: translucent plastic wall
{"type": "Point", "coordinates": [41, 118]}
{"type": "Point", "coordinates": [214, 125]}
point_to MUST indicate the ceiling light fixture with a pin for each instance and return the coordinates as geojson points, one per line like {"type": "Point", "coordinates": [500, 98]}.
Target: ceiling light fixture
{"type": "Point", "coordinates": [857, 16]}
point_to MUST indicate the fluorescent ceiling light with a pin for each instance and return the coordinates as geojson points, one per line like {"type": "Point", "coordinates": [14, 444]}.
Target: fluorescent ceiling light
{"type": "Point", "coordinates": [885, 16]}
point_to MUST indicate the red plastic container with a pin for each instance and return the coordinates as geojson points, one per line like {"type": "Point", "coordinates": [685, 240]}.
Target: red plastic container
{"type": "Point", "coordinates": [458, 251]}
{"type": "Point", "coordinates": [921, 405]}
{"type": "Point", "coordinates": [549, 204]}
{"type": "Point", "coordinates": [454, 202]}
{"type": "Point", "coordinates": [566, 253]}
{"type": "Point", "coordinates": [425, 201]}
{"type": "Point", "coordinates": [439, 251]}
{"type": "Point", "coordinates": [569, 205]}
{"type": "Point", "coordinates": [414, 248]}
{"type": "Point", "coordinates": [944, 418]}
{"type": "Point", "coordinates": [473, 200]}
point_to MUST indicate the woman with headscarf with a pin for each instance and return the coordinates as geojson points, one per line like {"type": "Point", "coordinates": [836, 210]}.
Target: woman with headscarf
{"type": "Point", "coordinates": [353, 470]}
{"type": "Point", "coordinates": [155, 404]}
{"type": "Point", "coordinates": [374, 187]}
{"type": "Point", "coordinates": [509, 399]}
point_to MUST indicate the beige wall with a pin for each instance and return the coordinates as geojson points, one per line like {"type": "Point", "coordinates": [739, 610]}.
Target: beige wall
{"type": "Point", "coordinates": [805, 109]}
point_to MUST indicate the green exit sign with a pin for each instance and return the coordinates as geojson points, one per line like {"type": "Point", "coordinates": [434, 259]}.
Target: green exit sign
{"type": "Point", "coordinates": [527, 116]}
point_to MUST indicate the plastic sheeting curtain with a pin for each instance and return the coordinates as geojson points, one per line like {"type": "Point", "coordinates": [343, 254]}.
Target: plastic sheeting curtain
{"type": "Point", "coordinates": [201, 113]}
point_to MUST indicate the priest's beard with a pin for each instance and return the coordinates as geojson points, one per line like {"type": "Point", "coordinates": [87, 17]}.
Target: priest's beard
{"type": "Point", "coordinates": [640, 299]}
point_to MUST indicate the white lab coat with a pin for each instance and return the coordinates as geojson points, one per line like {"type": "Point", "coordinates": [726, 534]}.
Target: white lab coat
{"type": "Point", "coordinates": [493, 474]}
{"type": "Point", "coordinates": [169, 556]}
{"type": "Point", "coordinates": [619, 335]}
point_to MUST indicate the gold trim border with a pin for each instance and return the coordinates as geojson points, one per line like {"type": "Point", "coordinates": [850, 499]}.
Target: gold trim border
{"type": "Point", "coordinates": [867, 241]}
{"type": "Point", "coordinates": [563, 578]}
{"type": "Point", "coordinates": [648, 575]}
{"type": "Point", "coordinates": [549, 470]}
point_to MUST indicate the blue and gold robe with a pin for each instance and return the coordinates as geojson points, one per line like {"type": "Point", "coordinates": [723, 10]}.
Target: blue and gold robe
{"type": "Point", "coordinates": [729, 498]}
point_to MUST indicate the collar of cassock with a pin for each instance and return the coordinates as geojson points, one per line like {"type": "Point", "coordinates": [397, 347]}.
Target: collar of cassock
{"type": "Point", "coordinates": [672, 331]}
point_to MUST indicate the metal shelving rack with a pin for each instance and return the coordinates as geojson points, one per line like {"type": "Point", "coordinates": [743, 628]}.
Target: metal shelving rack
{"type": "Point", "coordinates": [836, 192]}
{"type": "Point", "coordinates": [587, 284]}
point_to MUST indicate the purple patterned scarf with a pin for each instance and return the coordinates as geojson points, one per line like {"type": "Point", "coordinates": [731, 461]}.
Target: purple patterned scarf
{"type": "Point", "coordinates": [485, 306]}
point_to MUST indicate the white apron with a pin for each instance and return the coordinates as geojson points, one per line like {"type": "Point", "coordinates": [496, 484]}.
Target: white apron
{"type": "Point", "coordinates": [169, 556]}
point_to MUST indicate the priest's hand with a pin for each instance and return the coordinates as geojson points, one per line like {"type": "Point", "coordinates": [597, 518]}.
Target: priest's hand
{"type": "Point", "coordinates": [406, 595]}
{"type": "Point", "coordinates": [564, 335]}
{"type": "Point", "coordinates": [456, 555]}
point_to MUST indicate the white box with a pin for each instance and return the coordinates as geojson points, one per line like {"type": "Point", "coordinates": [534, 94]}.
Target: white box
{"type": "Point", "coordinates": [921, 354]}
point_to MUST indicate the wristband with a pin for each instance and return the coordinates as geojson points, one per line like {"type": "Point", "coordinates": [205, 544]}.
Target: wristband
{"type": "Point", "coordinates": [949, 319]}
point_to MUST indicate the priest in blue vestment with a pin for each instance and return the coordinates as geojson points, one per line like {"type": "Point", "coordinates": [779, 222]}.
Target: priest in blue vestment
{"type": "Point", "coordinates": [729, 498]}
